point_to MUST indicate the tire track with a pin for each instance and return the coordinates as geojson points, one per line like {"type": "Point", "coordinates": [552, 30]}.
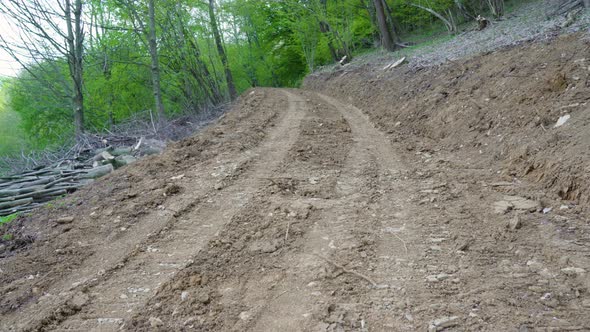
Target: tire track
{"type": "Point", "coordinates": [113, 301]}
{"type": "Point", "coordinates": [309, 296]}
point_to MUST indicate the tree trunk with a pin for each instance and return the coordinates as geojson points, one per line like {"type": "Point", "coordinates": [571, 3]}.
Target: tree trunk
{"type": "Point", "coordinates": [387, 40]}
{"type": "Point", "coordinates": [325, 29]}
{"type": "Point", "coordinates": [228, 76]}
{"type": "Point", "coordinates": [153, 46]}
{"type": "Point", "coordinates": [75, 56]}
{"type": "Point", "coordinates": [451, 27]}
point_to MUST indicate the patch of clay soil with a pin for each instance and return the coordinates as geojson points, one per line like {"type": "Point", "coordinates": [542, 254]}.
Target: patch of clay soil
{"type": "Point", "coordinates": [429, 200]}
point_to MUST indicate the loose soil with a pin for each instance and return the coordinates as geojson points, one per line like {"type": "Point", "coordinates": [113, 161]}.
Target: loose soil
{"type": "Point", "coordinates": [427, 199]}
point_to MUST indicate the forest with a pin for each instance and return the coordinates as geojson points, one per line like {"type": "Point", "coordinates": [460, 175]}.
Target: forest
{"type": "Point", "coordinates": [89, 65]}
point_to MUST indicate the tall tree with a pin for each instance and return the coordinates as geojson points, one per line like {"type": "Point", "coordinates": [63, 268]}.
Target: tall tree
{"type": "Point", "coordinates": [220, 50]}
{"type": "Point", "coordinates": [42, 39]}
{"type": "Point", "coordinates": [153, 46]}
{"type": "Point", "coordinates": [75, 40]}
{"type": "Point", "coordinates": [388, 37]}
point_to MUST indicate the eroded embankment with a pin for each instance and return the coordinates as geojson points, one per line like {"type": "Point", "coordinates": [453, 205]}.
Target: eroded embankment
{"type": "Point", "coordinates": [495, 111]}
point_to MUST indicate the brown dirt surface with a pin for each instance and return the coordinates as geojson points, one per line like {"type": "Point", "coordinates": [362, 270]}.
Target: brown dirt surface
{"type": "Point", "coordinates": [407, 200]}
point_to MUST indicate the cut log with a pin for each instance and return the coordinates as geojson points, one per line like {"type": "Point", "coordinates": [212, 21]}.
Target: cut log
{"type": "Point", "coordinates": [19, 202]}
{"type": "Point", "coordinates": [107, 156]}
{"type": "Point", "coordinates": [32, 183]}
{"type": "Point", "coordinates": [121, 151]}
{"type": "Point", "coordinates": [96, 172]}
{"type": "Point", "coordinates": [124, 160]}
{"type": "Point", "coordinates": [16, 192]}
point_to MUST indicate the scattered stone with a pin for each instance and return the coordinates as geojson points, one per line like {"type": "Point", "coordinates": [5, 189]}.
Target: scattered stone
{"type": "Point", "coordinates": [573, 271]}
{"type": "Point", "coordinates": [437, 277]}
{"type": "Point", "coordinates": [547, 210]}
{"type": "Point", "coordinates": [178, 177]}
{"type": "Point", "coordinates": [102, 321]}
{"type": "Point", "coordinates": [64, 220]}
{"type": "Point", "coordinates": [155, 322]}
{"type": "Point", "coordinates": [521, 203]}
{"type": "Point", "coordinates": [586, 303]}
{"type": "Point", "coordinates": [515, 223]}
{"type": "Point", "coordinates": [245, 315]}
{"type": "Point", "coordinates": [442, 276]}
{"type": "Point", "coordinates": [564, 207]}
{"type": "Point", "coordinates": [435, 248]}
{"type": "Point", "coordinates": [442, 323]}
{"type": "Point", "coordinates": [203, 298]}
{"type": "Point", "coordinates": [184, 296]}
{"type": "Point", "coordinates": [431, 278]}
{"type": "Point", "coordinates": [218, 186]}
{"type": "Point", "coordinates": [314, 180]}
{"type": "Point", "coordinates": [562, 120]}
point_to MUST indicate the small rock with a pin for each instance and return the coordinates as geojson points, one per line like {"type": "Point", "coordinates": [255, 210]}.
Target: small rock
{"type": "Point", "coordinates": [314, 180]}
{"type": "Point", "coordinates": [64, 220]}
{"type": "Point", "coordinates": [203, 298]}
{"type": "Point", "coordinates": [442, 276]}
{"type": "Point", "coordinates": [515, 223]}
{"type": "Point", "coordinates": [547, 210]}
{"type": "Point", "coordinates": [572, 271]}
{"type": "Point", "coordinates": [521, 203]}
{"type": "Point", "coordinates": [218, 186]}
{"type": "Point", "coordinates": [155, 322]}
{"type": "Point", "coordinates": [431, 278]}
{"type": "Point", "coordinates": [562, 120]}
{"type": "Point", "coordinates": [435, 248]}
{"type": "Point", "coordinates": [184, 296]}
{"type": "Point", "coordinates": [586, 303]}
{"type": "Point", "coordinates": [109, 321]}
{"type": "Point", "coordinates": [245, 315]}
{"type": "Point", "coordinates": [409, 317]}
{"type": "Point", "coordinates": [442, 323]}
{"type": "Point", "coordinates": [437, 277]}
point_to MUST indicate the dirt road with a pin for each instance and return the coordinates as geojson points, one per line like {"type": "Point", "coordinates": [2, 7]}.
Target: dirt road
{"type": "Point", "coordinates": [293, 213]}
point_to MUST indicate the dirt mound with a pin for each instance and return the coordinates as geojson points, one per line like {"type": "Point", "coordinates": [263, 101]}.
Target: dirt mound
{"type": "Point", "coordinates": [499, 110]}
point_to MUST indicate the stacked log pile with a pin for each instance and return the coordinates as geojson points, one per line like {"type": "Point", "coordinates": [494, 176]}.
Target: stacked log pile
{"type": "Point", "coordinates": [26, 191]}
{"type": "Point", "coordinates": [563, 7]}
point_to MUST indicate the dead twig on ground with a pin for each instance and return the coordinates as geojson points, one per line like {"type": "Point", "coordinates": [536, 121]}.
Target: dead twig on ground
{"type": "Point", "coordinates": [345, 270]}
{"type": "Point", "coordinates": [287, 232]}
{"type": "Point", "coordinates": [402, 241]}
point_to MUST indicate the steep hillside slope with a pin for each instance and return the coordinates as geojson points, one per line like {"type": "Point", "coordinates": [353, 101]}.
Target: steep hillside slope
{"type": "Point", "coordinates": [498, 111]}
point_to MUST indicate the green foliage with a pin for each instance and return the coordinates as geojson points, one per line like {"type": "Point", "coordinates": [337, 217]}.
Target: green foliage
{"type": "Point", "coordinates": [8, 218]}
{"type": "Point", "coordinates": [11, 136]}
